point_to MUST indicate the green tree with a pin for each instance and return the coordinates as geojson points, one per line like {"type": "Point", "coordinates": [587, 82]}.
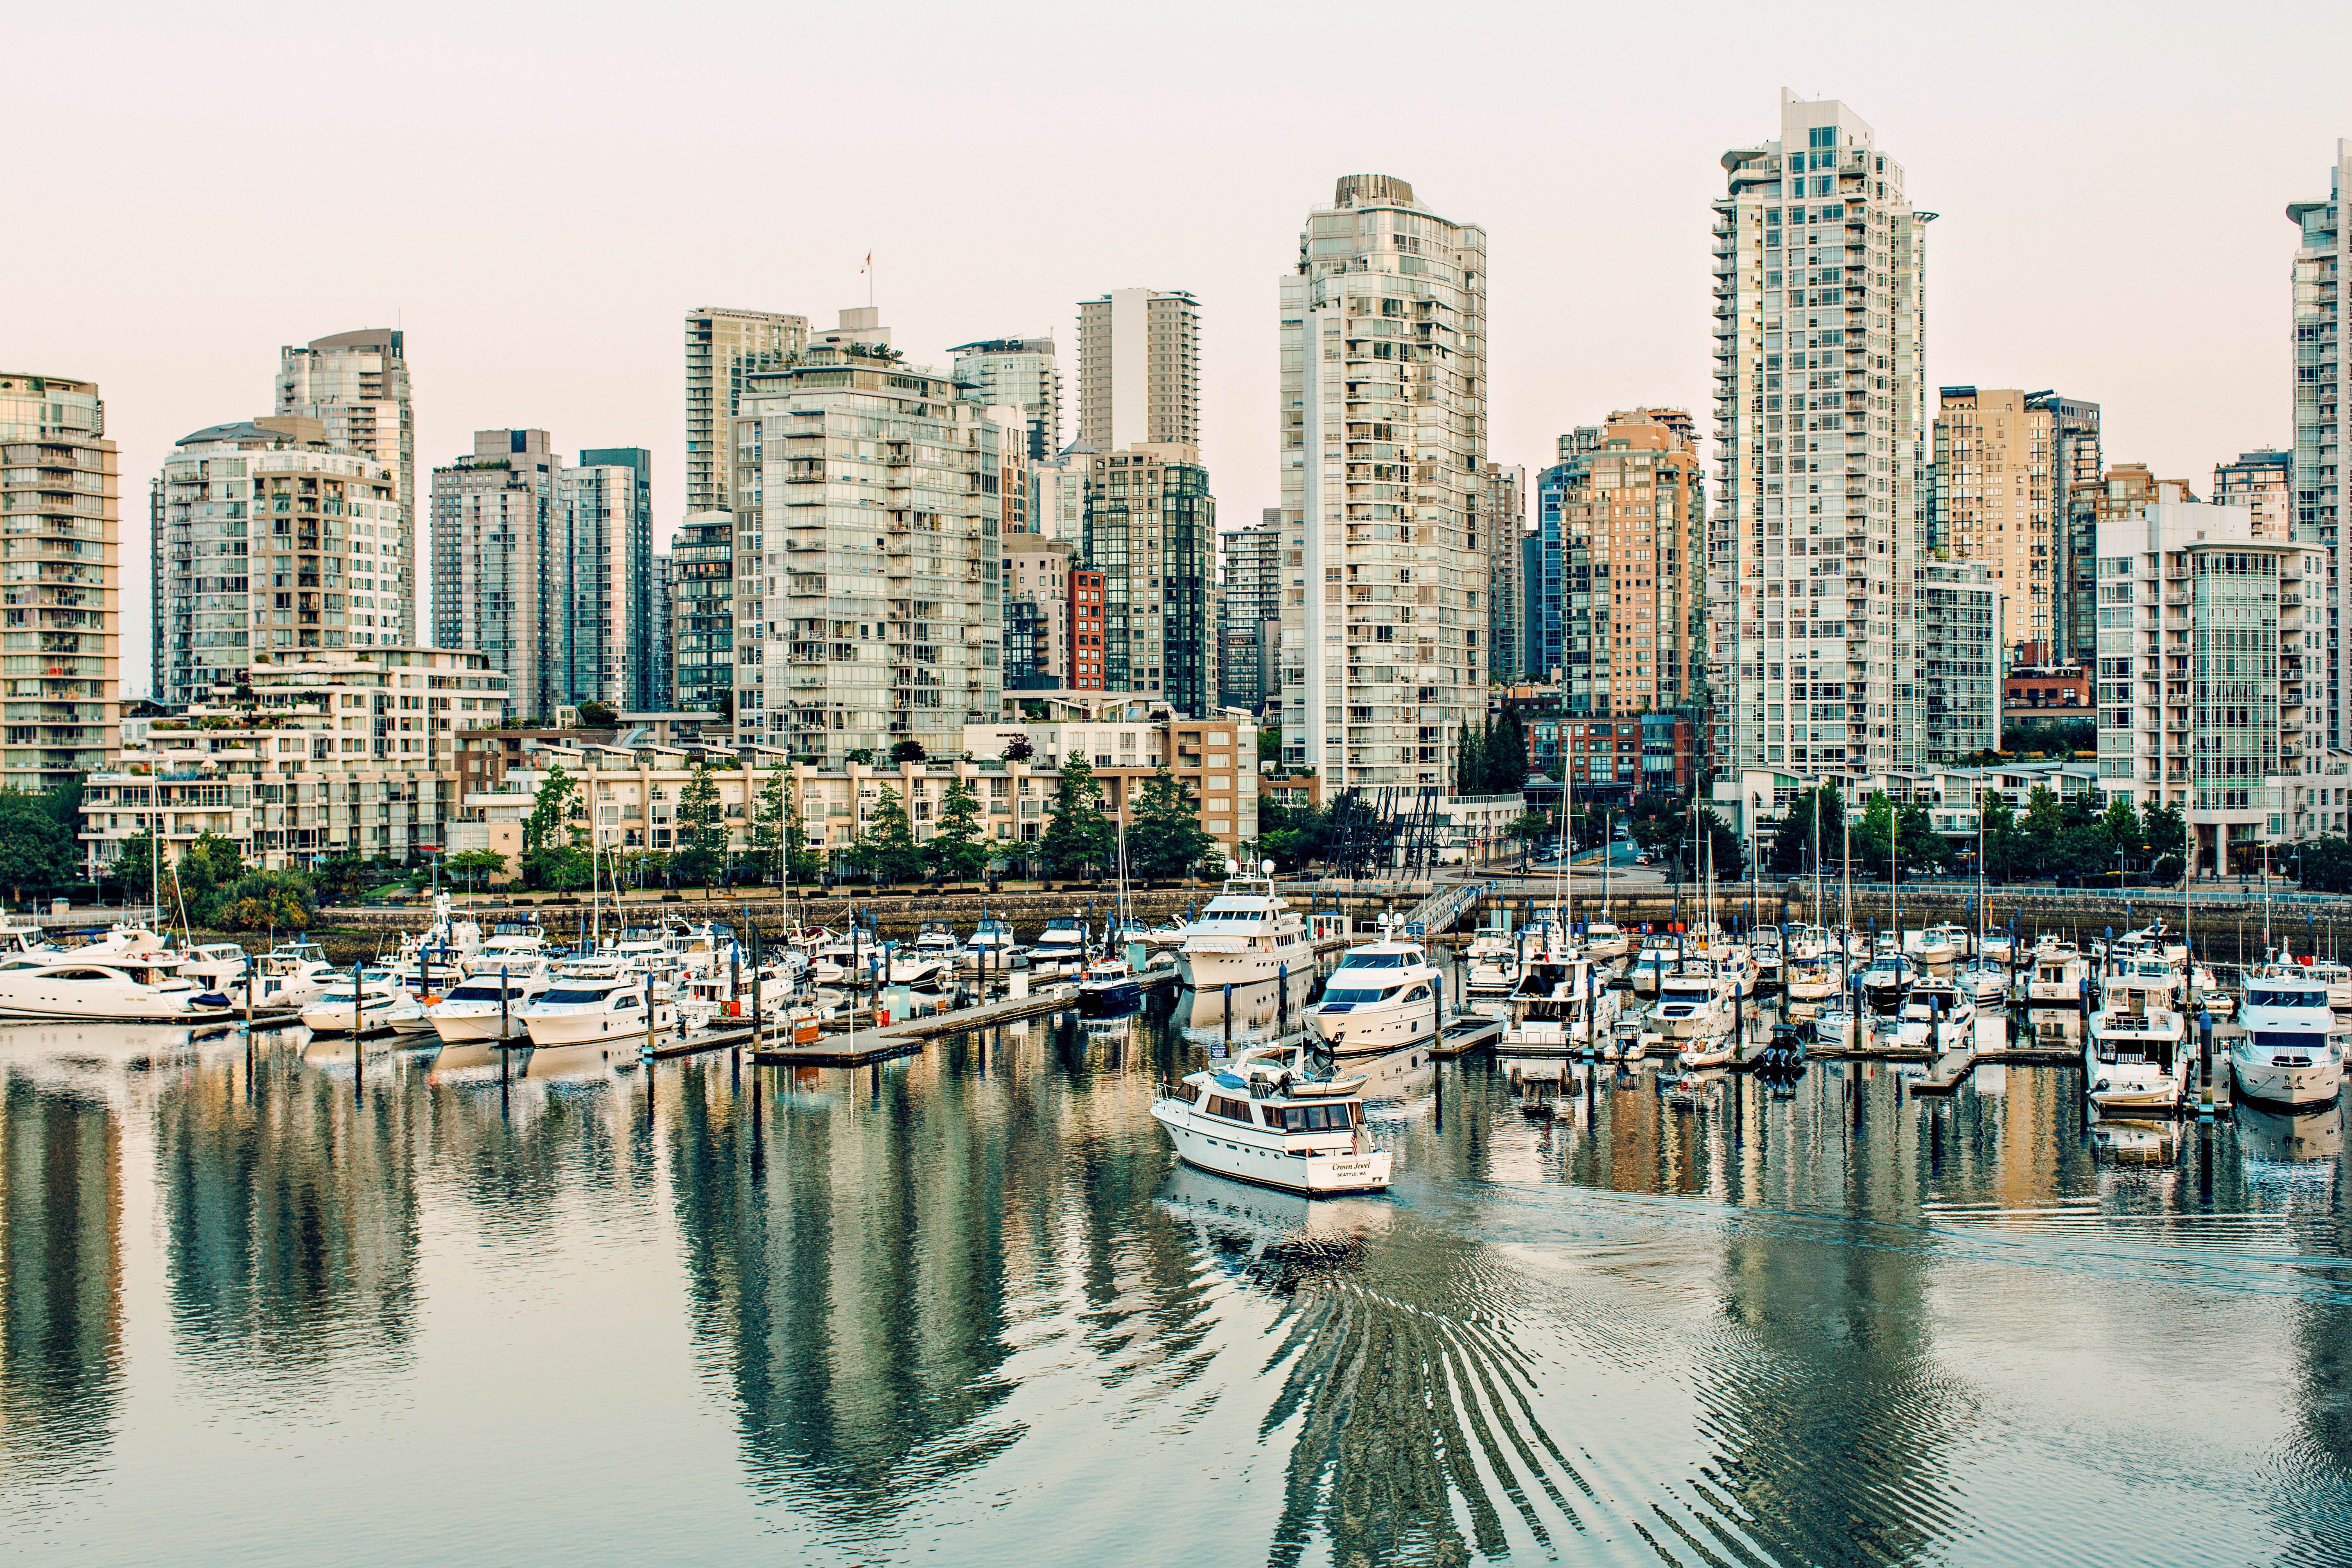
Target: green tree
{"type": "Point", "coordinates": [1922, 848]}
{"type": "Point", "coordinates": [1470, 760]}
{"type": "Point", "coordinates": [1077, 834]}
{"type": "Point", "coordinates": [908, 750]}
{"type": "Point", "coordinates": [1164, 835]}
{"type": "Point", "coordinates": [772, 820]}
{"type": "Point", "coordinates": [1874, 836]}
{"type": "Point", "coordinates": [2121, 824]}
{"type": "Point", "coordinates": [36, 850]}
{"type": "Point", "coordinates": [2163, 829]}
{"type": "Point", "coordinates": [802, 863]}
{"type": "Point", "coordinates": [701, 832]}
{"type": "Point", "coordinates": [2003, 848]}
{"type": "Point", "coordinates": [887, 848]}
{"type": "Point", "coordinates": [264, 900]}
{"type": "Point", "coordinates": [478, 866]}
{"type": "Point", "coordinates": [955, 849]}
{"type": "Point", "coordinates": [1504, 753]}
{"type": "Point", "coordinates": [1289, 836]}
{"type": "Point", "coordinates": [595, 715]}
{"type": "Point", "coordinates": [133, 865]}
{"type": "Point", "coordinates": [1792, 837]}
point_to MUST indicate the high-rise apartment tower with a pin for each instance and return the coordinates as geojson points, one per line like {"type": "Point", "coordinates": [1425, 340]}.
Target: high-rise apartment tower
{"type": "Point", "coordinates": [1019, 372]}
{"type": "Point", "coordinates": [2323, 266]}
{"type": "Point", "coordinates": [1383, 451]}
{"type": "Point", "coordinates": [62, 493]}
{"type": "Point", "coordinates": [1820, 430]}
{"type": "Point", "coordinates": [1140, 369]}
{"type": "Point", "coordinates": [356, 385]}
{"type": "Point", "coordinates": [1995, 499]}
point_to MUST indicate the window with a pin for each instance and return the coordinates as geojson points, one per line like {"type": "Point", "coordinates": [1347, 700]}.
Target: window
{"type": "Point", "coordinates": [1231, 1109]}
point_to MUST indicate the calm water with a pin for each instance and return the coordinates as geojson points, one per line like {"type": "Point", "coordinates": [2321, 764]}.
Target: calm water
{"type": "Point", "coordinates": [963, 1308]}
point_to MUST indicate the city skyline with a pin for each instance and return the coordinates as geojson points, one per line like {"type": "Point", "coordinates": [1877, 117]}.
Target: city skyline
{"type": "Point", "coordinates": [2017, 288]}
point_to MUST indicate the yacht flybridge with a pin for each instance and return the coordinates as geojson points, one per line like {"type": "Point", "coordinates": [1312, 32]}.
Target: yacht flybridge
{"type": "Point", "coordinates": [1268, 1117]}
{"type": "Point", "coordinates": [1247, 933]}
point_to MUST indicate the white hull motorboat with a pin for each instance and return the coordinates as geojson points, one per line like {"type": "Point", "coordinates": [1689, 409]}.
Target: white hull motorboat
{"type": "Point", "coordinates": [124, 991]}
{"type": "Point", "coordinates": [1266, 1118]}
{"type": "Point", "coordinates": [1245, 934]}
{"type": "Point", "coordinates": [1381, 999]}
{"type": "Point", "coordinates": [2292, 1052]}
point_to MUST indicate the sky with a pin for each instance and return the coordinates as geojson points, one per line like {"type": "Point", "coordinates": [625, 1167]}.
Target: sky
{"type": "Point", "coordinates": [537, 194]}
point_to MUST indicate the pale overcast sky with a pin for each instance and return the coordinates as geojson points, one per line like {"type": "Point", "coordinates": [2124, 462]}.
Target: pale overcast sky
{"type": "Point", "coordinates": [539, 193]}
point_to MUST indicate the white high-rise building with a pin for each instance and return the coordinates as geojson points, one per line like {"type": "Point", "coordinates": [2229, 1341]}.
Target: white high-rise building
{"type": "Point", "coordinates": [1138, 369]}
{"type": "Point", "coordinates": [881, 567]}
{"type": "Point", "coordinates": [1383, 468]}
{"type": "Point", "coordinates": [1821, 426]}
{"type": "Point", "coordinates": [1018, 372]}
{"type": "Point", "coordinates": [2323, 266]}
{"type": "Point", "coordinates": [356, 384]}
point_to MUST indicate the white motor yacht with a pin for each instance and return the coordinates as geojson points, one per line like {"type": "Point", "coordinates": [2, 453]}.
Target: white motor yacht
{"type": "Point", "coordinates": [1248, 933]}
{"type": "Point", "coordinates": [1603, 940]}
{"type": "Point", "coordinates": [921, 970]}
{"type": "Point", "coordinates": [1383, 997]}
{"type": "Point", "coordinates": [1492, 973]}
{"type": "Point", "coordinates": [991, 943]}
{"type": "Point", "coordinates": [2293, 1050]}
{"type": "Point", "coordinates": [1936, 1017]}
{"type": "Point", "coordinates": [1063, 942]}
{"type": "Point", "coordinates": [293, 974]}
{"type": "Point", "coordinates": [1890, 974]}
{"type": "Point", "coordinates": [121, 990]}
{"type": "Point", "coordinates": [2210, 997]}
{"type": "Point", "coordinates": [1938, 944]}
{"type": "Point", "coordinates": [1998, 947]}
{"type": "Point", "coordinates": [596, 1007]}
{"type": "Point", "coordinates": [1560, 1005]}
{"type": "Point", "coordinates": [1658, 956]}
{"type": "Point", "coordinates": [1984, 982]}
{"type": "Point", "coordinates": [1837, 1024]}
{"type": "Point", "coordinates": [1109, 988]}
{"type": "Point", "coordinates": [21, 936]}
{"type": "Point", "coordinates": [2136, 1055]}
{"type": "Point", "coordinates": [471, 1011]}
{"type": "Point", "coordinates": [1693, 1003]}
{"type": "Point", "coordinates": [1267, 1117]}
{"type": "Point", "coordinates": [513, 941]}
{"type": "Point", "coordinates": [383, 1007]}
{"type": "Point", "coordinates": [2055, 978]}
{"type": "Point", "coordinates": [215, 965]}
{"type": "Point", "coordinates": [937, 939]}
{"type": "Point", "coordinates": [1736, 964]}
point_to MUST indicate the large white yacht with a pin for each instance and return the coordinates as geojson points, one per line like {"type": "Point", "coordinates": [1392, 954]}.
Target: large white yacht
{"type": "Point", "coordinates": [1064, 941]}
{"type": "Point", "coordinates": [1246, 933]}
{"type": "Point", "coordinates": [1267, 1117]}
{"type": "Point", "coordinates": [293, 974]}
{"type": "Point", "coordinates": [2293, 1050]}
{"type": "Point", "coordinates": [1560, 1005]}
{"type": "Point", "coordinates": [2135, 1057]}
{"type": "Point", "coordinates": [2057, 977]}
{"type": "Point", "coordinates": [472, 1008]}
{"type": "Point", "coordinates": [1383, 997]}
{"type": "Point", "coordinates": [594, 999]}
{"type": "Point", "coordinates": [119, 990]}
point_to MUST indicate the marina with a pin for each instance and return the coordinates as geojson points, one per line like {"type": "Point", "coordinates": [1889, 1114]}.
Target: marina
{"type": "Point", "coordinates": [779, 1186]}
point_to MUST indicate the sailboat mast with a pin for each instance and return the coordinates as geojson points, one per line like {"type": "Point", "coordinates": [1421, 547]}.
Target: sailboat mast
{"type": "Point", "coordinates": [2188, 814]}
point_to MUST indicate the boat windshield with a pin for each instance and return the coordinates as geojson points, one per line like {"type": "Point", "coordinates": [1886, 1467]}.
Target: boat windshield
{"type": "Point", "coordinates": [2286, 998]}
{"type": "Point", "coordinates": [2284, 1041]}
{"type": "Point", "coordinates": [1313, 1118]}
{"type": "Point", "coordinates": [481, 992]}
{"type": "Point", "coordinates": [1355, 996]}
{"type": "Point", "coordinates": [568, 995]}
{"type": "Point", "coordinates": [1377, 959]}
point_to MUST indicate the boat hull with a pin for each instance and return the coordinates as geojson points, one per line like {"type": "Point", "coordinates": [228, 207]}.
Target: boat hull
{"type": "Point", "coordinates": [2261, 1077]}
{"type": "Point", "coordinates": [1207, 971]}
{"type": "Point", "coordinates": [1107, 1001]}
{"type": "Point", "coordinates": [1243, 1159]}
{"type": "Point", "coordinates": [1372, 1030]}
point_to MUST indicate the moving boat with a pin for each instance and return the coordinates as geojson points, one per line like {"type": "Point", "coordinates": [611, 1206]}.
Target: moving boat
{"type": "Point", "coordinates": [382, 1009]}
{"type": "Point", "coordinates": [1268, 1117]}
{"type": "Point", "coordinates": [2293, 1050]}
{"type": "Point", "coordinates": [1383, 997]}
{"type": "Point", "coordinates": [121, 990]}
{"type": "Point", "coordinates": [2137, 1057]}
{"type": "Point", "coordinates": [1246, 933]}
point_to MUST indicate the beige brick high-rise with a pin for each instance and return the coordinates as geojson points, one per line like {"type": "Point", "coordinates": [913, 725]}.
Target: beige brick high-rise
{"type": "Point", "coordinates": [1996, 500]}
{"type": "Point", "coordinates": [61, 670]}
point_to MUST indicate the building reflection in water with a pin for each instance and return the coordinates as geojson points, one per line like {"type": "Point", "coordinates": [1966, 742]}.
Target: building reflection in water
{"type": "Point", "coordinates": [60, 1277]}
